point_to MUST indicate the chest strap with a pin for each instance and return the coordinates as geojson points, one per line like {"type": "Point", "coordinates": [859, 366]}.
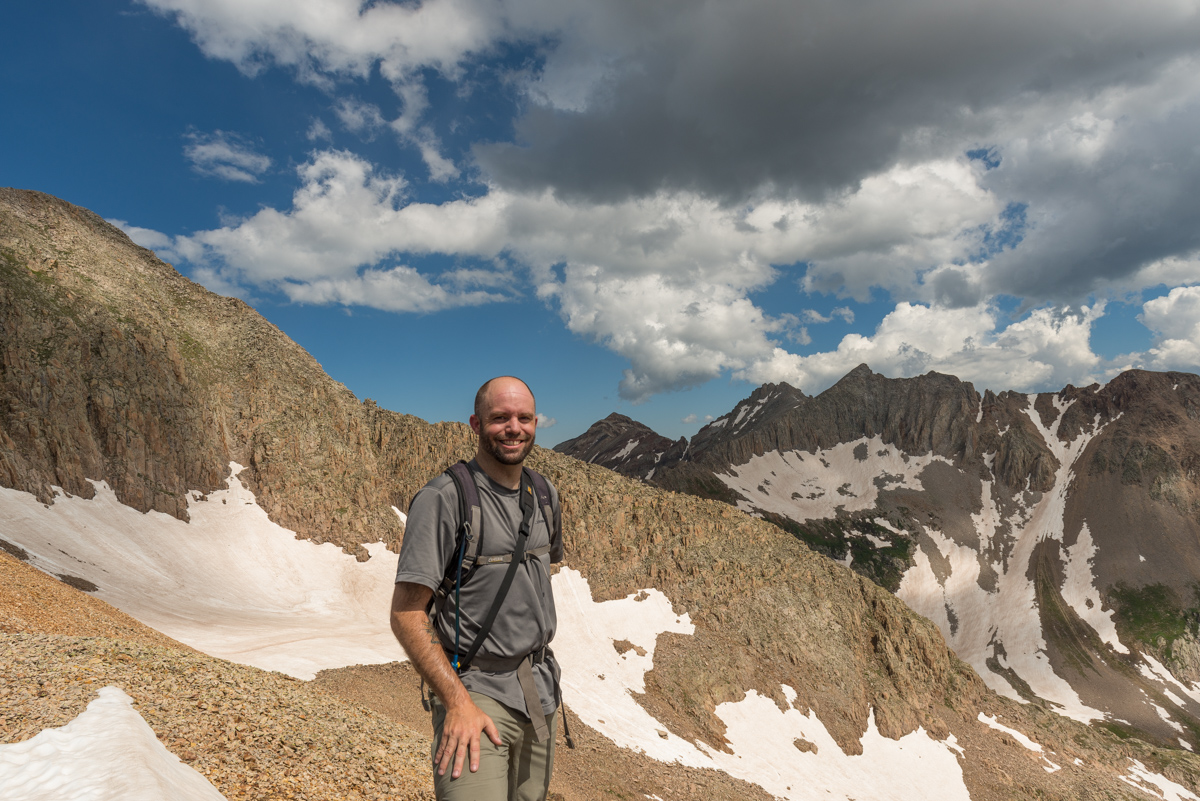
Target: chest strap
{"type": "Point", "coordinates": [504, 559]}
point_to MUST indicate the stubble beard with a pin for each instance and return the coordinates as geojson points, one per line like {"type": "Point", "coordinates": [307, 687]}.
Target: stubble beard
{"type": "Point", "coordinates": [492, 446]}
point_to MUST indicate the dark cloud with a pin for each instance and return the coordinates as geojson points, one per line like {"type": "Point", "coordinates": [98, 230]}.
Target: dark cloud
{"type": "Point", "coordinates": [954, 289]}
{"type": "Point", "coordinates": [724, 98]}
{"type": "Point", "coordinates": [1096, 220]}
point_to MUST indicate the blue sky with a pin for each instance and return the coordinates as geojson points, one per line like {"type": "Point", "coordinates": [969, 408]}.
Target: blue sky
{"type": "Point", "coordinates": [644, 208]}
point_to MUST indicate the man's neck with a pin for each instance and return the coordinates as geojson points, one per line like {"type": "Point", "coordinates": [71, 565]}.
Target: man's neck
{"type": "Point", "coordinates": [506, 475]}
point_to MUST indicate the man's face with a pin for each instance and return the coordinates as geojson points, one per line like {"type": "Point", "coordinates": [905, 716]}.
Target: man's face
{"type": "Point", "coordinates": [508, 424]}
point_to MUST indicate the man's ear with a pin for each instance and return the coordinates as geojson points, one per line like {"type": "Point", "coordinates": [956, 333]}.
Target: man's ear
{"type": "Point", "coordinates": [475, 424]}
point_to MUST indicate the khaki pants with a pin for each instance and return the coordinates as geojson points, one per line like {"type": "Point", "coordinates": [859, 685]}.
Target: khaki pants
{"type": "Point", "coordinates": [519, 770]}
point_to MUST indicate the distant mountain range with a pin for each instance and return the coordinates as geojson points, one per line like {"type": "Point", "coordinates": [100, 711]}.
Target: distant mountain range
{"type": "Point", "coordinates": [1042, 535]}
{"type": "Point", "coordinates": [1054, 538]}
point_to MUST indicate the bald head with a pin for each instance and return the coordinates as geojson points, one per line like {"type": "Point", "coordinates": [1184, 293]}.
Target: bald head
{"type": "Point", "coordinates": [497, 385]}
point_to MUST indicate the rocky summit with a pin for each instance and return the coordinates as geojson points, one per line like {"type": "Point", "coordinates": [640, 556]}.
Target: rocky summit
{"type": "Point", "coordinates": [116, 369]}
{"type": "Point", "coordinates": [1052, 537]}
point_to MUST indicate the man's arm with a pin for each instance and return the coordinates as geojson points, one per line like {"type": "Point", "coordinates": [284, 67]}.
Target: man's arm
{"type": "Point", "coordinates": [464, 720]}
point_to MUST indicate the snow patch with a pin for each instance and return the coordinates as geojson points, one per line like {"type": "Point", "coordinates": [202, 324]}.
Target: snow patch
{"type": "Point", "coordinates": [763, 742]}
{"type": "Point", "coordinates": [1152, 669]}
{"type": "Point", "coordinates": [1160, 786]}
{"type": "Point", "coordinates": [1080, 593]}
{"type": "Point", "coordinates": [597, 681]}
{"type": "Point", "coordinates": [108, 753]}
{"type": "Point", "coordinates": [813, 486]}
{"type": "Point", "coordinates": [230, 583]}
{"type": "Point", "coordinates": [1166, 717]}
{"type": "Point", "coordinates": [992, 721]}
{"type": "Point", "coordinates": [876, 541]}
{"type": "Point", "coordinates": [628, 449]}
{"type": "Point", "coordinates": [741, 413]}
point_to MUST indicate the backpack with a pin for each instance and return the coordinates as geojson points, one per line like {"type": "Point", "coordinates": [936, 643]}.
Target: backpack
{"type": "Point", "coordinates": [534, 489]}
{"type": "Point", "coordinates": [469, 540]}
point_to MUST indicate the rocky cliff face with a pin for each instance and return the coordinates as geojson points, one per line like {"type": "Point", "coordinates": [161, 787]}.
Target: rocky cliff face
{"type": "Point", "coordinates": [116, 368]}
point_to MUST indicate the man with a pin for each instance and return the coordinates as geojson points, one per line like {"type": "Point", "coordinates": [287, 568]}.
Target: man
{"type": "Point", "coordinates": [481, 716]}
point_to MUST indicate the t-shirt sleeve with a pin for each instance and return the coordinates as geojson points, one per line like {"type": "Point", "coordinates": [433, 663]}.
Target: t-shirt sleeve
{"type": "Point", "coordinates": [429, 536]}
{"type": "Point", "coordinates": [556, 537]}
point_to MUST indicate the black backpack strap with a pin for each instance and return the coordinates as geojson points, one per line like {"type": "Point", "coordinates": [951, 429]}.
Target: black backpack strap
{"type": "Point", "coordinates": [550, 513]}
{"type": "Point", "coordinates": [470, 532]}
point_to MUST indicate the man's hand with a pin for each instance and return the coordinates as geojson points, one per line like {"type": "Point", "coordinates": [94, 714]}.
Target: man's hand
{"type": "Point", "coordinates": [460, 737]}
{"type": "Point", "coordinates": [464, 720]}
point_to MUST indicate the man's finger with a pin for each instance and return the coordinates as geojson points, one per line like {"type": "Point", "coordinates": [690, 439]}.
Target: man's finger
{"type": "Point", "coordinates": [493, 733]}
{"type": "Point", "coordinates": [475, 753]}
{"type": "Point", "coordinates": [437, 758]}
{"type": "Point", "coordinates": [445, 753]}
{"type": "Point", "coordinates": [460, 756]}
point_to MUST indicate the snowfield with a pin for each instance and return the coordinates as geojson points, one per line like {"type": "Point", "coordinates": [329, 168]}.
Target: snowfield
{"type": "Point", "coordinates": [108, 753]}
{"type": "Point", "coordinates": [230, 583]}
{"type": "Point", "coordinates": [813, 486]}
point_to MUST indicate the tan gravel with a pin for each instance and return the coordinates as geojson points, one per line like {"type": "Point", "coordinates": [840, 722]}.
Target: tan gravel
{"type": "Point", "coordinates": [253, 734]}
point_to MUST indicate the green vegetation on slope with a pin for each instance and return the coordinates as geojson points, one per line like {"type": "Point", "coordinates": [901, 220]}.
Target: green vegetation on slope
{"type": "Point", "coordinates": [1154, 613]}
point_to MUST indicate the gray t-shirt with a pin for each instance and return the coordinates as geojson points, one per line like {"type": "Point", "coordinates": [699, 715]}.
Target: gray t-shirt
{"type": "Point", "coordinates": [526, 621]}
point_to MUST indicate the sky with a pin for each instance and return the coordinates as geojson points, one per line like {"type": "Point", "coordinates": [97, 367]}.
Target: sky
{"type": "Point", "coordinates": [649, 208]}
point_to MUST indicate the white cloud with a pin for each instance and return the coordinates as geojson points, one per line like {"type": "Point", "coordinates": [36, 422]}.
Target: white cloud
{"type": "Point", "coordinates": [546, 422]}
{"type": "Point", "coordinates": [1048, 347]}
{"type": "Point", "coordinates": [318, 131]}
{"type": "Point", "coordinates": [338, 37]}
{"type": "Point", "coordinates": [674, 158]}
{"type": "Point", "coordinates": [674, 335]}
{"type": "Point", "coordinates": [691, 418]}
{"type": "Point", "coordinates": [1175, 318]}
{"type": "Point", "coordinates": [345, 217]}
{"type": "Point", "coordinates": [367, 120]}
{"type": "Point", "coordinates": [358, 117]}
{"type": "Point", "coordinates": [399, 289]}
{"type": "Point", "coordinates": [146, 237]}
{"type": "Point", "coordinates": [1090, 124]}
{"type": "Point", "coordinates": [410, 130]}
{"type": "Point", "coordinates": [844, 313]}
{"type": "Point", "coordinates": [663, 281]}
{"type": "Point", "coordinates": [225, 155]}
